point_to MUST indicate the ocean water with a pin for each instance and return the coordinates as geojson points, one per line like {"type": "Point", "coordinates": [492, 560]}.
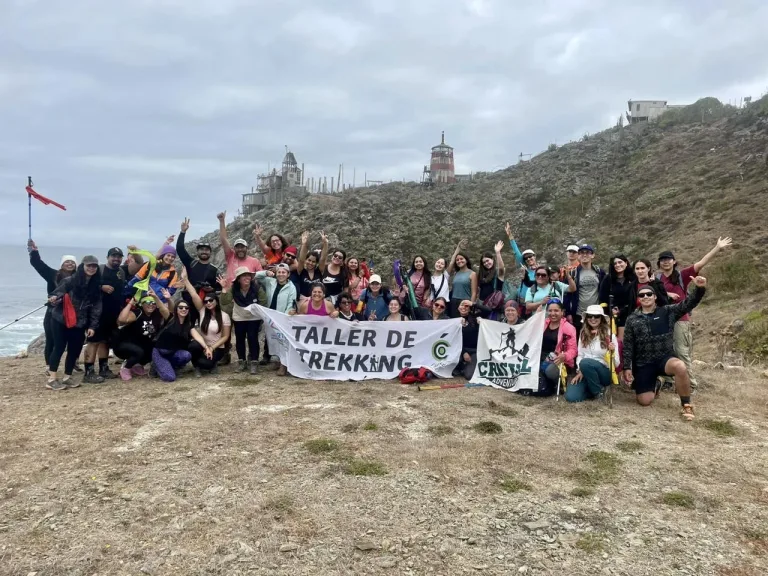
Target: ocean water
{"type": "Point", "coordinates": [22, 290]}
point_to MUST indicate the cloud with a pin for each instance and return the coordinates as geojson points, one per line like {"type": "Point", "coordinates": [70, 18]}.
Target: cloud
{"type": "Point", "coordinates": [132, 113]}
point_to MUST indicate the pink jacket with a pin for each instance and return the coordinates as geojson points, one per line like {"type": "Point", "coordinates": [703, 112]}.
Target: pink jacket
{"type": "Point", "coordinates": [566, 332]}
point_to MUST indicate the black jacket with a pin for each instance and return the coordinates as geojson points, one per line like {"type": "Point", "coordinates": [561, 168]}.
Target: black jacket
{"type": "Point", "coordinates": [88, 310]}
{"type": "Point", "coordinates": [198, 272]}
{"type": "Point", "coordinates": [641, 347]}
{"type": "Point", "coordinates": [46, 272]}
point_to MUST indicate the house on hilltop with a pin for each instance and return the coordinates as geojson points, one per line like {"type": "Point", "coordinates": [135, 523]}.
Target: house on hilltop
{"type": "Point", "coordinates": [647, 110]}
{"type": "Point", "coordinates": [273, 187]}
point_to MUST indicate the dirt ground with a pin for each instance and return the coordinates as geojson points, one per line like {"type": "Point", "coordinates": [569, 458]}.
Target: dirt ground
{"type": "Point", "coordinates": [267, 475]}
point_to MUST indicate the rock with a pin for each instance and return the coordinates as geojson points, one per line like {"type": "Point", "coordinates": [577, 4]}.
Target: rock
{"type": "Point", "coordinates": [37, 346]}
{"type": "Point", "coordinates": [522, 570]}
{"type": "Point", "coordinates": [737, 325]}
{"type": "Point", "coordinates": [538, 525]}
{"type": "Point", "coordinates": [366, 545]}
{"type": "Point", "coordinates": [700, 364]}
{"type": "Point", "coordinates": [386, 562]}
{"type": "Point", "coordinates": [289, 547]}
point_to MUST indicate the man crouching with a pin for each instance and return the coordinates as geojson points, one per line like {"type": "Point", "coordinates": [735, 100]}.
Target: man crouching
{"type": "Point", "coordinates": [648, 346]}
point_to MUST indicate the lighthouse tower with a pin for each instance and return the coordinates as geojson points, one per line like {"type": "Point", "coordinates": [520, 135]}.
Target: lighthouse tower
{"type": "Point", "coordinates": [441, 166]}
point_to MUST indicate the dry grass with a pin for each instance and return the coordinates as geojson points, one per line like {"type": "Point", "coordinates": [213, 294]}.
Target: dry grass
{"type": "Point", "coordinates": [208, 478]}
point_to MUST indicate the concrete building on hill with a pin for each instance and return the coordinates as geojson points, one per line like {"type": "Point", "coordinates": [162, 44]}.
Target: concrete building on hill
{"type": "Point", "coordinates": [273, 187]}
{"type": "Point", "coordinates": [648, 110]}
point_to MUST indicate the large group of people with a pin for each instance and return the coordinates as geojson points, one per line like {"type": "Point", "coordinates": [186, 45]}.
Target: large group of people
{"type": "Point", "coordinates": [159, 311]}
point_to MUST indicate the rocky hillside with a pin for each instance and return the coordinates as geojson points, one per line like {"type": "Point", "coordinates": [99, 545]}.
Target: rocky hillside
{"type": "Point", "coordinates": [679, 183]}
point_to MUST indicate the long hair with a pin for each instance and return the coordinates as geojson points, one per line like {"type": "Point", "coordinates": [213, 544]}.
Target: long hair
{"type": "Point", "coordinates": [485, 274]}
{"type": "Point", "coordinates": [426, 275]}
{"type": "Point", "coordinates": [61, 274]}
{"type": "Point", "coordinates": [283, 241]}
{"type": "Point", "coordinates": [603, 333]}
{"type": "Point", "coordinates": [629, 271]}
{"type": "Point", "coordinates": [469, 262]}
{"type": "Point", "coordinates": [207, 315]}
{"type": "Point", "coordinates": [87, 287]}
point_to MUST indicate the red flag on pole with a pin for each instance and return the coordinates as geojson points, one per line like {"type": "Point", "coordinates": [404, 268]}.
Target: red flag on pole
{"type": "Point", "coordinates": [43, 199]}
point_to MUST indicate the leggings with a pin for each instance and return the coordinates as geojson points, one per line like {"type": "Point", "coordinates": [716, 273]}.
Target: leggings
{"type": "Point", "coordinates": [133, 354]}
{"type": "Point", "coordinates": [48, 329]}
{"type": "Point", "coordinates": [247, 330]}
{"type": "Point", "coordinates": [72, 340]}
{"type": "Point", "coordinates": [168, 361]}
{"type": "Point", "coordinates": [200, 361]}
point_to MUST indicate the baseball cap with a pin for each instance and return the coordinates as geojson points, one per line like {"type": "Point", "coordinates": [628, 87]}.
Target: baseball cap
{"type": "Point", "coordinates": [283, 266]}
{"type": "Point", "coordinates": [666, 254]}
{"type": "Point", "coordinates": [115, 252]}
{"type": "Point", "coordinates": [203, 245]}
{"type": "Point", "coordinates": [528, 252]}
{"type": "Point", "coordinates": [240, 242]}
{"type": "Point", "coordinates": [291, 250]}
{"type": "Point", "coordinates": [586, 248]}
{"type": "Point", "coordinates": [89, 260]}
{"type": "Point", "coordinates": [374, 278]}
{"type": "Point", "coordinates": [572, 248]}
{"type": "Point", "coordinates": [68, 258]}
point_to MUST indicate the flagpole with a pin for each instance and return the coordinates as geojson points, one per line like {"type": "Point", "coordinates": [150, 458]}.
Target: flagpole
{"type": "Point", "coordinates": [29, 198]}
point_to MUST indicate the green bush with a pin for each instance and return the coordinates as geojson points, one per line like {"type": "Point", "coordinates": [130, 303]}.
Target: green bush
{"type": "Point", "coordinates": [753, 340]}
{"type": "Point", "coordinates": [552, 147]}
{"type": "Point", "coordinates": [735, 275]}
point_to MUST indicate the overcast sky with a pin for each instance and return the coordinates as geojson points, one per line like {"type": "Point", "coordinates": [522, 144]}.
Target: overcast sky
{"type": "Point", "coordinates": [136, 114]}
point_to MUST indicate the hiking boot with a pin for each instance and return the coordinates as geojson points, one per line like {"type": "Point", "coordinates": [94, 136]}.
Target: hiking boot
{"type": "Point", "coordinates": [282, 371]}
{"type": "Point", "coordinates": [241, 365]}
{"type": "Point", "coordinates": [264, 361]}
{"type": "Point", "coordinates": [253, 368]}
{"type": "Point", "coordinates": [55, 385]}
{"type": "Point", "coordinates": [106, 373]}
{"type": "Point", "coordinates": [226, 360]}
{"type": "Point", "coordinates": [70, 383]}
{"type": "Point", "coordinates": [92, 378]}
{"type": "Point", "coordinates": [213, 371]}
{"type": "Point", "coordinates": [125, 373]}
{"type": "Point", "coordinates": [687, 412]}
{"type": "Point", "coordinates": [198, 373]}
{"type": "Point", "coordinates": [138, 370]}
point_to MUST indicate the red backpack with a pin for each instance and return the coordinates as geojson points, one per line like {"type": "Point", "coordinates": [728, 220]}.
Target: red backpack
{"type": "Point", "coordinates": [415, 375]}
{"type": "Point", "coordinates": [68, 311]}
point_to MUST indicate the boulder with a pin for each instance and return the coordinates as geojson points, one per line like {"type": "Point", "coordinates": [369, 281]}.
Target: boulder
{"type": "Point", "coordinates": [37, 346]}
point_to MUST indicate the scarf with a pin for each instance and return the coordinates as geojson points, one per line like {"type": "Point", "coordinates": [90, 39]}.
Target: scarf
{"type": "Point", "coordinates": [142, 286]}
{"type": "Point", "coordinates": [245, 300]}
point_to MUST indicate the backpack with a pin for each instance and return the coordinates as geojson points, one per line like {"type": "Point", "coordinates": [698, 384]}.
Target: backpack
{"type": "Point", "coordinates": [415, 375]}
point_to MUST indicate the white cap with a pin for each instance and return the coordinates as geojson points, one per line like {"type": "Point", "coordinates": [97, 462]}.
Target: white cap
{"type": "Point", "coordinates": [572, 248]}
{"type": "Point", "coordinates": [374, 278]}
{"type": "Point", "coordinates": [68, 257]}
{"type": "Point", "coordinates": [594, 310]}
{"type": "Point", "coordinates": [240, 241]}
{"type": "Point", "coordinates": [528, 252]}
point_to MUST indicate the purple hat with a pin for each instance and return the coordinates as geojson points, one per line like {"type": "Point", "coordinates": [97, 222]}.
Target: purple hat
{"type": "Point", "coordinates": [167, 250]}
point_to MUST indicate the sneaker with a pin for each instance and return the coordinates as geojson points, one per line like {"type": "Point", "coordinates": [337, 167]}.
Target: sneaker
{"type": "Point", "coordinates": [198, 373]}
{"type": "Point", "coordinates": [282, 371]}
{"type": "Point", "coordinates": [70, 383]}
{"type": "Point", "coordinates": [213, 371]}
{"type": "Point", "coordinates": [91, 377]}
{"type": "Point", "coordinates": [152, 370]}
{"type": "Point", "coordinates": [659, 385]}
{"type": "Point", "coordinates": [241, 365]}
{"type": "Point", "coordinates": [125, 373]}
{"type": "Point", "coordinates": [138, 370]}
{"type": "Point", "coordinates": [253, 368]}
{"type": "Point", "coordinates": [107, 374]}
{"type": "Point", "coordinates": [78, 368]}
{"type": "Point", "coordinates": [55, 385]}
{"type": "Point", "coordinates": [687, 412]}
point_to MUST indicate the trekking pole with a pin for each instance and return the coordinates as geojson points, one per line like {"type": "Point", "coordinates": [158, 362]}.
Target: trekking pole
{"type": "Point", "coordinates": [25, 315]}
{"type": "Point", "coordinates": [445, 386]}
{"type": "Point", "coordinates": [611, 366]}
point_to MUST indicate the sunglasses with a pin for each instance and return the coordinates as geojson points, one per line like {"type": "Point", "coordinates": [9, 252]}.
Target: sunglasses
{"type": "Point", "coordinates": [209, 300]}
{"type": "Point", "coordinates": [594, 317]}
{"type": "Point", "coordinates": [149, 303]}
{"type": "Point", "coordinates": [184, 308]}
{"type": "Point", "coordinates": [291, 256]}
{"type": "Point", "coordinates": [342, 302]}
{"type": "Point", "coordinates": [542, 275]}
{"type": "Point", "coordinates": [438, 306]}
{"type": "Point", "coordinates": [337, 256]}
{"type": "Point", "coordinates": [529, 256]}
{"type": "Point", "coordinates": [555, 301]}
{"type": "Point", "coordinates": [645, 295]}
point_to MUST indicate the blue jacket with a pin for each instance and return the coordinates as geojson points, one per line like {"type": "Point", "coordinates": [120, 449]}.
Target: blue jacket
{"type": "Point", "coordinates": [378, 303]}
{"type": "Point", "coordinates": [523, 290]}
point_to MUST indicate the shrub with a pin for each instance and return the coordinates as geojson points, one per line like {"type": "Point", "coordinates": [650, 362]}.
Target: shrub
{"type": "Point", "coordinates": [552, 147]}
{"type": "Point", "coordinates": [735, 275]}
{"type": "Point", "coordinates": [753, 340]}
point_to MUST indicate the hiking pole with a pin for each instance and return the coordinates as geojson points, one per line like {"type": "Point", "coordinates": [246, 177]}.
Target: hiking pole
{"type": "Point", "coordinates": [445, 386]}
{"type": "Point", "coordinates": [611, 362]}
{"type": "Point", "coordinates": [25, 315]}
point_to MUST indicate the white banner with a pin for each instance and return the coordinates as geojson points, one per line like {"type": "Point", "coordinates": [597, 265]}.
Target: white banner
{"type": "Point", "coordinates": [322, 348]}
{"type": "Point", "coordinates": [508, 357]}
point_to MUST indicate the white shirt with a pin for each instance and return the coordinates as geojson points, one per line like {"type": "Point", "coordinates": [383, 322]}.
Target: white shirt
{"type": "Point", "coordinates": [444, 291]}
{"type": "Point", "coordinates": [594, 351]}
